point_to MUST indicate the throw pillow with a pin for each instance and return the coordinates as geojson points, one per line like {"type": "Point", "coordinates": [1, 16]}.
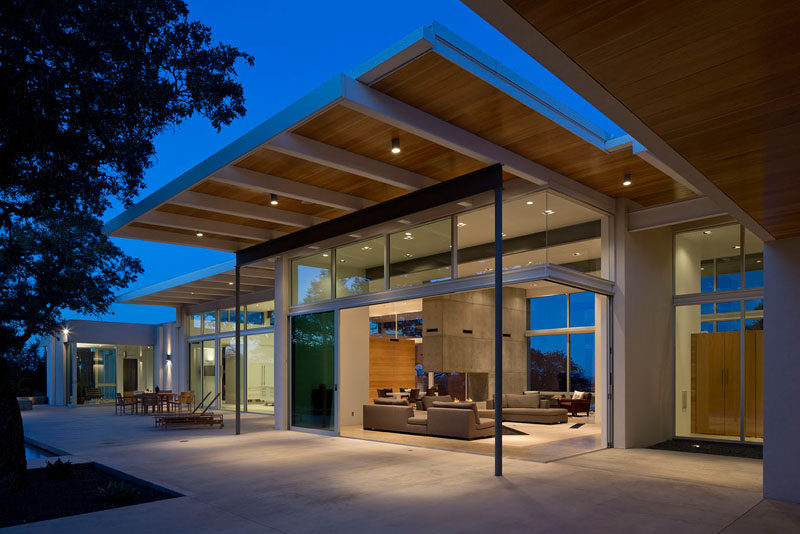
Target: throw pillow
{"type": "Point", "coordinates": [577, 395]}
{"type": "Point", "coordinates": [427, 401]}
{"type": "Point", "coordinates": [390, 401]}
{"type": "Point", "coordinates": [460, 405]}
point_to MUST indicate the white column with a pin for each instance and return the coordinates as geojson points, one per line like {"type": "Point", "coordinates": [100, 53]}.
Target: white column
{"type": "Point", "coordinates": [282, 368]}
{"type": "Point", "coordinates": [643, 335]}
{"type": "Point", "coordinates": [781, 369]}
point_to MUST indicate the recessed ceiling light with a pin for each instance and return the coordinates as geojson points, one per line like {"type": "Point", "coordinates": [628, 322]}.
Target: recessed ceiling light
{"type": "Point", "coordinates": [548, 212]}
{"type": "Point", "coordinates": [408, 237]}
{"type": "Point", "coordinates": [758, 261]}
{"type": "Point", "coordinates": [502, 234]}
{"type": "Point", "coordinates": [366, 247]}
{"type": "Point", "coordinates": [395, 145]}
{"type": "Point", "coordinates": [230, 283]}
{"type": "Point", "coordinates": [408, 233]}
{"type": "Point", "coordinates": [273, 199]}
{"type": "Point", "coordinates": [409, 255]}
{"type": "Point", "coordinates": [461, 224]}
{"type": "Point", "coordinates": [737, 247]}
{"type": "Point", "coordinates": [324, 254]}
{"type": "Point", "coordinates": [199, 234]}
{"type": "Point", "coordinates": [706, 232]}
{"type": "Point", "coordinates": [529, 203]}
{"type": "Point", "coordinates": [341, 261]}
{"type": "Point", "coordinates": [702, 268]}
{"type": "Point", "coordinates": [576, 253]}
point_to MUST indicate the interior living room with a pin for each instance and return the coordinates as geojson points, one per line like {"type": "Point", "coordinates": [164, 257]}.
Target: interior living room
{"type": "Point", "coordinates": [428, 375]}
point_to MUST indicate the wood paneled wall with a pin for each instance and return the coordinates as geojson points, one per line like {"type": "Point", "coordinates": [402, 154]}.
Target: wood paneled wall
{"type": "Point", "coordinates": [391, 364]}
{"type": "Point", "coordinates": [716, 383]}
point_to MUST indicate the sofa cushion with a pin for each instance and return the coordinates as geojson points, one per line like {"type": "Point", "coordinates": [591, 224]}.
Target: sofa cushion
{"type": "Point", "coordinates": [418, 420]}
{"type": "Point", "coordinates": [531, 393]}
{"type": "Point", "coordinates": [427, 401]}
{"type": "Point", "coordinates": [523, 401]}
{"type": "Point", "coordinates": [387, 400]}
{"type": "Point", "coordinates": [460, 405]}
{"type": "Point", "coordinates": [484, 423]}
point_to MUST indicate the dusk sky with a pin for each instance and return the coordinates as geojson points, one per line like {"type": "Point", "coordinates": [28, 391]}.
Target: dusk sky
{"type": "Point", "coordinates": [298, 47]}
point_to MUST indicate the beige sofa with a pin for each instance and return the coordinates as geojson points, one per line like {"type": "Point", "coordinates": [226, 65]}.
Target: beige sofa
{"type": "Point", "coordinates": [446, 419]}
{"type": "Point", "coordinates": [529, 408]}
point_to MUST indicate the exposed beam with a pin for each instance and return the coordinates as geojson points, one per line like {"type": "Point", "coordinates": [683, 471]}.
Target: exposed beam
{"type": "Point", "coordinates": [531, 40]}
{"type": "Point", "coordinates": [268, 183]}
{"type": "Point", "coordinates": [672, 213]}
{"type": "Point", "coordinates": [199, 224]}
{"type": "Point", "coordinates": [308, 149]}
{"type": "Point", "coordinates": [249, 210]}
{"type": "Point", "coordinates": [373, 103]}
{"type": "Point", "coordinates": [174, 238]}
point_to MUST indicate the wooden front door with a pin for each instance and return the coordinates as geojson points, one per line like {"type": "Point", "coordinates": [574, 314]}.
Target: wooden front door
{"type": "Point", "coordinates": [130, 374]}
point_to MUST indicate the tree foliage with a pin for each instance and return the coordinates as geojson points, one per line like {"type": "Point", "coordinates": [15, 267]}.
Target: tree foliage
{"type": "Point", "coordinates": [87, 86]}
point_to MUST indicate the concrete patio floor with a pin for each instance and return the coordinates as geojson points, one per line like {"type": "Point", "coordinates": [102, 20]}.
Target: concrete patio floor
{"type": "Point", "coordinates": [273, 481]}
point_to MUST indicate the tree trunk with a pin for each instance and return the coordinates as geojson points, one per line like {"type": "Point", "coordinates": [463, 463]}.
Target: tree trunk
{"type": "Point", "coordinates": [13, 465]}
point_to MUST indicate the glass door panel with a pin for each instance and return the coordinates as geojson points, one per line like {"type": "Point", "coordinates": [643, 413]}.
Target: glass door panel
{"type": "Point", "coordinates": [227, 371]}
{"type": "Point", "coordinates": [314, 371]}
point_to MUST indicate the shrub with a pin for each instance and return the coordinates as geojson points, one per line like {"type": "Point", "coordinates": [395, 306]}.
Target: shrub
{"type": "Point", "coordinates": [59, 470]}
{"type": "Point", "coordinates": [118, 492]}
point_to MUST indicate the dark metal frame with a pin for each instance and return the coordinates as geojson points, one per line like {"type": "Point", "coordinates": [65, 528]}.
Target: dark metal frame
{"type": "Point", "coordinates": [481, 181]}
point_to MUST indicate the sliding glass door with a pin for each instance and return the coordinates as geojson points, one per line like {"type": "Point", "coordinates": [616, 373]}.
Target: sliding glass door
{"type": "Point", "coordinates": [313, 383]}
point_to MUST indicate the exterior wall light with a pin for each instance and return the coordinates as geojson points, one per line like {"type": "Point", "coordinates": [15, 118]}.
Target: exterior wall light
{"type": "Point", "coordinates": [273, 199]}
{"type": "Point", "coordinates": [395, 145]}
{"type": "Point", "coordinates": [627, 180]}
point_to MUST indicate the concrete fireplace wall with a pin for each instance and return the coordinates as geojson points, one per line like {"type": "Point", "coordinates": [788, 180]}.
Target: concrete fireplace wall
{"type": "Point", "coordinates": [458, 335]}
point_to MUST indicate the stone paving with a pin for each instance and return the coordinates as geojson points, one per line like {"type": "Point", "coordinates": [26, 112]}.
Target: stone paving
{"type": "Point", "coordinates": [275, 481]}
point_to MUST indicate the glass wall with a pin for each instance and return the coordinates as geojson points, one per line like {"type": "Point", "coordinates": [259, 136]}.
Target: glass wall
{"type": "Point", "coordinates": [719, 341]}
{"type": "Point", "coordinates": [359, 267]}
{"type": "Point", "coordinates": [537, 228]}
{"type": "Point", "coordinates": [562, 343]}
{"type": "Point", "coordinates": [313, 371]}
{"type": "Point", "coordinates": [541, 227]}
{"type": "Point", "coordinates": [420, 255]}
{"type": "Point", "coordinates": [260, 373]}
{"type": "Point", "coordinates": [311, 278]}
{"type": "Point", "coordinates": [214, 370]}
{"type": "Point", "coordinates": [105, 370]}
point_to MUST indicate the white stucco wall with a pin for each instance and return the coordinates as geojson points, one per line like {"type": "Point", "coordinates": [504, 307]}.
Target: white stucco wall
{"type": "Point", "coordinates": [781, 369]}
{"type": "Point", "coordinates": [643, 336]}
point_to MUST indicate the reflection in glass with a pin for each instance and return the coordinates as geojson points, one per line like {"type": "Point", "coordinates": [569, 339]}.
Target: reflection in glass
{"type": "Point", "coordinates": [420, 254]}
{"type": "Point", "coordinates": [195, 325]}
{"type": "Point", "coordinates": [708, 260]}
{"type": "Point", "coordinates": [313, 359]}
{"type": "Point", "coordinates": [359, 267]}
{"type": "Point", "coordinates": [260, 373]}
{"type": "Point", "coordinates": [227, 319]}
{"type": "Point", "coordinates": [209, 322]}
{"type": "Point", "coordinates": [227, 364]}
{"type": "Point", "coordinates": [260, 315]}
{"type": "Point", "coordinates": [754, 370]}
{"type": "Point", "coordinates": [753, 260]}
{"type": "Point", "coordinates": [311, 278]}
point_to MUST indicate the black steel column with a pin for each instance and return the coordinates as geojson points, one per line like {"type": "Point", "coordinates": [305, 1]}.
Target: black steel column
{"type": "Point", "coordinates": [238, 357]}
{"type": "Point", "coordinates": [498, 331]}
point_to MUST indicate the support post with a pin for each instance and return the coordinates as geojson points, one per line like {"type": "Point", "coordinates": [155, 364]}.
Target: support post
{"type": "Point", "coordinates": [238, 355]}
{"type": "Point", "coordinates": [498, 331]}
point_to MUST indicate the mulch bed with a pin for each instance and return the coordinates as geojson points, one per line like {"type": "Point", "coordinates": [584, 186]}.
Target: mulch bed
{"type": "Point", "coordinates": [743, 450]}
{"type": "Point", "coordinates": [44, 497]}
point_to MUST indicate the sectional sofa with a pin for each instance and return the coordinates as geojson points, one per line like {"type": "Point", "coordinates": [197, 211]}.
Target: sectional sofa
{"type": "Point", "coordinates": [527, 408]}
{"type": "Point", "coordinates": [442, 418]}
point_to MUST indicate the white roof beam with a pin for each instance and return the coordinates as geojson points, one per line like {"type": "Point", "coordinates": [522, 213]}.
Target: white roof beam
{"type": "Point", "coordinates": [373, 103]}
{"type": "Point", "coordinates": [308, 149]}
{"type": "Point", "coordinates": [199, 224]}
{"type": "Point", "coordinates": [203, 201]}
{"type": "Point", "coordinates": [268, 183]}
{"type": "Point", "coordinates": [692, 209]}
{"type": "Point", "coordinates": [174, 238]}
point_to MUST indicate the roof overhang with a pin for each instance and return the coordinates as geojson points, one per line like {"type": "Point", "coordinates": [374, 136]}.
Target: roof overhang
{"type": "Point", "coordinates": [709, 87]}
{"type": "Point", "coordinates": [454, 109]}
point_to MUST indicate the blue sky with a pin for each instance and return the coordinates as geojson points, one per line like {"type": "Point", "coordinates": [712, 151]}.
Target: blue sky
{"type": "Point", "coordinates": [298, 46]}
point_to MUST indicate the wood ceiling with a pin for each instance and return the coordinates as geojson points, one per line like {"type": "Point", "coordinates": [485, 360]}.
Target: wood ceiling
{"type": "Point", "coordinates": [231, 207]}
{"type": "Point", "coordinates": [718, 81]}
